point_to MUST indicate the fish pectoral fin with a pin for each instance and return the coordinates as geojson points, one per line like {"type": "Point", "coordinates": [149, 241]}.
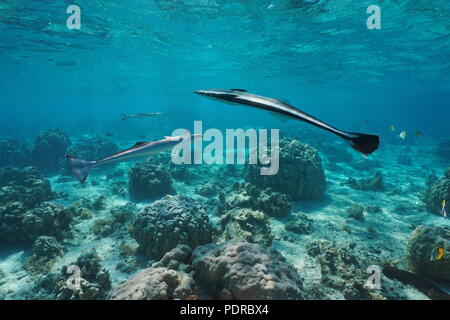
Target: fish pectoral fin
{"type": "Point", "coordinates": [281, 117]}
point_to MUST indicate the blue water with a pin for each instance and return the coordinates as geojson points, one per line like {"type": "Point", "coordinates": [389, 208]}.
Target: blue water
{"type": "Point", "coordinates": [149, 56]}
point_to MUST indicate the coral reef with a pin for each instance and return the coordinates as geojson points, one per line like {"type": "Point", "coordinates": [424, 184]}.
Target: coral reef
{"type": "Point", "coordinates": [94, 283]}
{"type": "Point", "coordinates": [173, 220]}
{"type": "Point", "coordinates": [370, 184]}
{"type": "Point", "coordinates": [50, 148]}
{"type": "Point", "coordinates": [149, 181]}
{"type": "Point", "coordinates": [246, 224]}
{"type": "Point", "coordinates": [248, 196]}
{"type": "Point", "coordinates": [18, 225]}
{"type": "Point", "coordinates": [93, 148]}
{"type": "Point", "coordinates": [45, 249]}
{"type": "Point", "coordinates": [25, 186]}
{"type": "Point", "coordinates": [423, 240]}
{"type": "Point", "coordinates": [300, 174]}
{"type": "Point", "coordinates": [14, 153]}
{"type": "Point", "coordinates": [164, 280]}
{"type": "Point", "coordinates": [340, 269]}
{"type": "Point", "coordinates": [436, 192]}
{"type": "Point", "coordinates": [300, 224]}
{"type": "Point", "coordinates": [242, 270]}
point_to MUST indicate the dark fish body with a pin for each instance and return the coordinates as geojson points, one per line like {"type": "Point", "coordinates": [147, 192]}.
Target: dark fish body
{"type": "Point", "coordinates": [364, 143]}
{"type": "Point", "coordinates": [81, 168]}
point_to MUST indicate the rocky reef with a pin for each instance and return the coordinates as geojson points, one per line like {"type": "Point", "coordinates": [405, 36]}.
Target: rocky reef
{"type": "Point", "coordinates": [94, 281]}
{"type": "Point", "coordinates": [45, 249]}
{"type": "Point", "coordinates": [14, 153]}
{"type": "Point", "coordinates": [423, 240]}
{"type": "Point", "coordinates": [25, 213]}
{"type": "Point", "coordinates": [370, 184]}
{"type": "Point", "coordinates": [436, 192]}
{"type": "Point", "coordinates": [149, 181]}
{"type": "Point", "coordinates": [300, 224]}
{"type": "Point", "coordinates": [242, 270]}
{"type": "Point", "coordinates": [50, 148]}
{"type": "Point", "coordinates": [168, 222]}
{"type": "Point", "coordinates": [248, 196]}
{"type": "Point", "coordinates": [300, 174]}
{"type": "Point", "coordinates": [246, 224]}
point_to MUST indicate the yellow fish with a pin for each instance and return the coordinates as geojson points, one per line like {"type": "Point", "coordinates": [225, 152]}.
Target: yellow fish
{"type": "Point", "coordinates": [402, 135]}
{"type": "Point", "coordinates": [444, 209]}
{"type": "Point", "coordinates": [392, 128]}
{"type": "Point", "coordinates": [436, 254]}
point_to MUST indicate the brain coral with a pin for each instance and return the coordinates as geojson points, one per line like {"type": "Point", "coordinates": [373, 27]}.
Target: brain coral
{"type": "Point", "coordinates": [242, 270]}
{"type": "Point", "coordinates": [173, 220]}
{"type": "Point", "coordinates": [148, 181]}
{"type": "Point", "coordinates": [300, 174]}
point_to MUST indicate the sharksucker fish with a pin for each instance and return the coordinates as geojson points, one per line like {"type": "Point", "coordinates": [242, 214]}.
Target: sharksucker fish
{"type": "Point", "coordinates": [364, 143]}
{"type": "Point", "coordinates": [82, 168]}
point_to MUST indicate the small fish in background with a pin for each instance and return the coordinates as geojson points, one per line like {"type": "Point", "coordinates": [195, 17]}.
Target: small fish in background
{"type": "Point", "coordinates": [124, 117]}
{"type": "Point", "coordinates": [436, 254]}
{"type": "Point", "coordinates": [367, 121]}
{"type": "Point", "coordinates": [419, 134]}
{"type": "Point", "coordinates": [392, 128]}
{"type": "Point", "coordinates": [402, 135]}
{"type": "Point", "coordinates": [444, 209]}
{"type": "Point", "coordinates": [109, 134]}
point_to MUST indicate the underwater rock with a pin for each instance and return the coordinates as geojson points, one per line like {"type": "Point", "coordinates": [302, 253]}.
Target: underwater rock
{"type": "Point", "coordinates": [370, 184]}
{"type": "Point", "coordinates": [149, 181]}
{"type": "Point", "coordinates": [95, 281]}
{"type": "Point", "coordinates": [356, 211]}
{"type": "Point", "coordinates": [50, 148]}
{"type": "Point", "coordinates": [18, 225]}
{"type": "Point", "coordinates": [14, 153]}
{"type": "Point", "coordinates": [248, 196]}
{"type": "Point", "coordinates": [246, 224]}
{"type": "Point", "coordinates": [340, 269]}
{"type": "Point", "coordinates": [300, 224]}
{"type": "Point", "coordinates": [179, 172]}
{"type": "Point", "coordinates": [300, 174]}
{"type": "Point", "coordinates": [25, 186]}
{"type": "Point", "coordinates": [423, 240]}
{"type": "Point", "coordinates": [248, 271]}
{"type": "Point", "coordinates": [436, 192]}
{"type": "Point", "coordinates": [168, 222]}
{"type": "Point", "coordinates": [443, 149]}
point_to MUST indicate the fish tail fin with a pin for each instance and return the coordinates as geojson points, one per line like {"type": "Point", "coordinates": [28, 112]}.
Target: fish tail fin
{"type": "Point", "coordinates": [123, 116]}
{"type": "Point", "coordinates": [364, 143]}
{"type": "Point", "coordinates": [80, 168]}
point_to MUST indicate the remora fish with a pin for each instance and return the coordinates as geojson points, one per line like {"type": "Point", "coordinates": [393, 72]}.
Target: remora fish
{"type": "Point", "coordinates": [364, 143]}
{"type": "Point", "coordinates": [81, 168]}
{"type": "Point", "coordinates": [124, 117]}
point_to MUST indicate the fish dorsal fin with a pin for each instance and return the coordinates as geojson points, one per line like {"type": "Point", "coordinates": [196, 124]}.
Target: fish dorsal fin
{"type": "Point", "coordinates": [285, 101]}
{"type": "Point", "coordinates": [241, 90]}
{"type": "Point", "coordinates": [137, 144]}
